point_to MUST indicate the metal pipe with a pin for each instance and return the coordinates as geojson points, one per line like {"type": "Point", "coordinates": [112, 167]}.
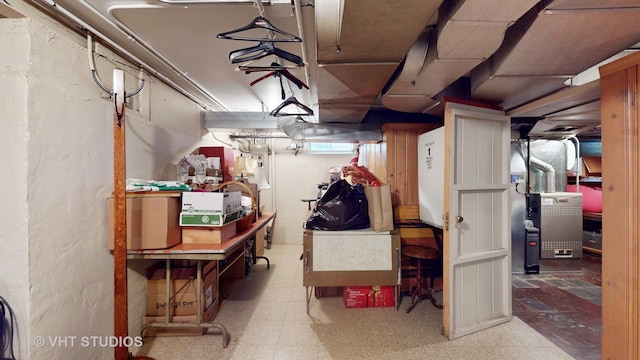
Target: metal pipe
{"type": "Point", "coordinates": [258, 137]}
{"type": "Point", "coordinates": [549, 171]}
{"type": "Point", "coordinates": [65, 13]}
{"type": "Point", "coordinates": [297, 7]}
{"type": "Point", "coordinates": [577, 165]}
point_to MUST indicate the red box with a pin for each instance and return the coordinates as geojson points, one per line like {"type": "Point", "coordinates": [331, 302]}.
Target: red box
{"type": "Point", "coordinates": [367, 296]}
{"type": "Point", "coordinates": [381, 296]}
{"type": "Point", "coordinates": [226, 155]}
{"type": "Point", "coordinates": [356, 296]}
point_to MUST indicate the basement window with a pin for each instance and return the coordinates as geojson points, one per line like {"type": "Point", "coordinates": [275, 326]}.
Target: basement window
{"type": "Point", "coordinates": [330, 148]}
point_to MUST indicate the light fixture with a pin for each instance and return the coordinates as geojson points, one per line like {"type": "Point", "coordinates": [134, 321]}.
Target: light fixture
{"type": "Point", "coordinates": [260, 179]}
{"type": "Point", "coordinates": [241, 167]}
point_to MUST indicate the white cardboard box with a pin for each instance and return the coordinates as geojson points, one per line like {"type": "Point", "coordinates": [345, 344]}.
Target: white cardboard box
{"type": "Point", "coordinates": [210, 208]}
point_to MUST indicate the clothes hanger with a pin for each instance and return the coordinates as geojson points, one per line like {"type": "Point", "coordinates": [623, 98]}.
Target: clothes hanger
{"type": "Point", "coordinates": [250, 69]}
{"type": "Point", "coordinates": [279, 73]}
{"type": "Point", "coordinates": [291, 101]}
{"type": "Point", "coordinates": [261, 50]}
{"type": "Point", "coordinates": [259, 23]}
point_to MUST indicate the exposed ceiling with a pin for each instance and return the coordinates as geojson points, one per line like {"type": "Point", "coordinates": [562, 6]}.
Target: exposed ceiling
{"type": "Point", "coordinates": [372, 61]}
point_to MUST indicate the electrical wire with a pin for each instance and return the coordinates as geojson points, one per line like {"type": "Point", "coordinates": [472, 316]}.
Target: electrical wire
{"type": "Point", "coordinates": [6, 342]}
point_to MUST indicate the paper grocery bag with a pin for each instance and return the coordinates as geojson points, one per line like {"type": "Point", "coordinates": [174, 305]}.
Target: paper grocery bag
{"type": "Point", "coordinates": [380, 209]}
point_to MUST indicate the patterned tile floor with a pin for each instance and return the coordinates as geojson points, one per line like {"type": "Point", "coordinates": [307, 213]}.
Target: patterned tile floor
{"type": "Point", "coordinates": [564, 307]}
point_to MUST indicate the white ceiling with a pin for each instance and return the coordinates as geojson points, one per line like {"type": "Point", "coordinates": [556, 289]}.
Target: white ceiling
{"type": "Point", "coordinates": [390, 60]}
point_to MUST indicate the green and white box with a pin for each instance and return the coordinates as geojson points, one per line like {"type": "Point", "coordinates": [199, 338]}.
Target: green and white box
{"type": "Point", "coordinates": [210, 208]}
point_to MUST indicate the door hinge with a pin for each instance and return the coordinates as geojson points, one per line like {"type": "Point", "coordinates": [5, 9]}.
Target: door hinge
{"type": "Point", "coordinates": [445, 217]}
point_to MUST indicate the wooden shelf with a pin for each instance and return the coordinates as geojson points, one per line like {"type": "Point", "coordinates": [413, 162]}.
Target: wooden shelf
{"type": "Point", "coordinates": [592, 216]}
{"type": "Point", "coordinates": [592, 250]}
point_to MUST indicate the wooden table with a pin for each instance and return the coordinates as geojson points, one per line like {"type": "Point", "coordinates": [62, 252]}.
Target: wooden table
{"type": "Point", "coordinates": [226, 251]}
{"type": "Point", "coordinates": [420, 254]}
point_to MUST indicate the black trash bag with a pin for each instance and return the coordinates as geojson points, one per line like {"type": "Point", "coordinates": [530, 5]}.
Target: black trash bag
{"type": "Point", "coordinates": [342, 207]}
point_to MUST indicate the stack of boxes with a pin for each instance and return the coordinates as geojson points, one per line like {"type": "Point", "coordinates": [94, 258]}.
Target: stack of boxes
{"type": "Point", "coordinates": [208, 217]}
{"type": "Point", "coordinates": [161, 220]}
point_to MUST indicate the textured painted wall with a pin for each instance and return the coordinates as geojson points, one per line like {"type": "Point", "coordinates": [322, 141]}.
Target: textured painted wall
{"type": "Point", "coordinates": [297, 177]}
{"type": "Point", "coordinates": [60, 143]}
{"type": "Point", "coordinates": [14, 282]}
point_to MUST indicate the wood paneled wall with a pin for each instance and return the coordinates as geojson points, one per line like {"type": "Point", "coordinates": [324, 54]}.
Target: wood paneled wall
{"type": "Point", "coordinates": [620, 119]}
{"type": "Point", "coordinates": [395, 160]}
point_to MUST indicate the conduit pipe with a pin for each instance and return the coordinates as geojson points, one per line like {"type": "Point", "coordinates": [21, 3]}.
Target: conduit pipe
{"type": "Point", "coordinates": [64, 12]}
{"type": "Point", "coordinates": [297, 7]}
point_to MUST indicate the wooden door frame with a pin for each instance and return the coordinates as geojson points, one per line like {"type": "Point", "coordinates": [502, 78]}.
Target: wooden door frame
{"type": "Point", "coordinates": [620, 114]}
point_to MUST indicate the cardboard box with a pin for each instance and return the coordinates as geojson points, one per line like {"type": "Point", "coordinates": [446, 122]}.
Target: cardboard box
{"type": "Point", "coordinates": [152, 222]}
{"type": "Point", "coordinates": [368, 296]}
{"type": "Point", "coordinates": [381, 296]}
{"type": "Point", "coordinates": [207, 316]}
{"type": "Point", "coordinates": [212, 220]}
{"type": "Point", "coordinates": [183, 291]}
{"type": "Point", "coordinates": [210, 208]}
{"type": "Point", "coordinates": [208, 235]}
{"type": "Point", "coordinates": [356, 296]}
{"type": "Point", "coordinates": [591, 166]}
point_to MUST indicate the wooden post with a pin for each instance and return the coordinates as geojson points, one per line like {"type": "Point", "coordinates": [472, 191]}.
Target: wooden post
{"type": "Point", "coordinates": [120, 327]}
{"type": "Point", "coordinates": [620, 118]}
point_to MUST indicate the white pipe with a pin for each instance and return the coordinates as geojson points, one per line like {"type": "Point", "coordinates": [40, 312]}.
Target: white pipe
{"type": "Point", "coordinates": [150, 69]}
{"type": "Point", "coordinates": [297, 7]}
{"type": "Point", "coordinates": [578, 165]}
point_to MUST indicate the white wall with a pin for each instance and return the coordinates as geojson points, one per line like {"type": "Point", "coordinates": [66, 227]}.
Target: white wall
{"type": "Point", "coordinates": [292, 177]}
{"type": "Point", "coordinates": [14, 262]}
{"type": "Point", "coordinates": [58, 155]}
{"type": "Point", "coordinates": [57, 142]}
{"type": "Point", "coordinates": [297, 177]}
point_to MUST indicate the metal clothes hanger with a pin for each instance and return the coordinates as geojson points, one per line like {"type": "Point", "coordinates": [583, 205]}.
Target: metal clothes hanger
{"type": "Point", "coordinates": [292, 101]}
{"type": "Point", "coordinates": [262, 50]}
{"type": "Point", "coordinates": [259, 23]}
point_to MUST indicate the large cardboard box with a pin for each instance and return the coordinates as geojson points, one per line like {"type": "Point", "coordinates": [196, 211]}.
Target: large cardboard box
{"type": "Point", "coordinates": [208, 235]}
{"type": "Point", "coordinates": [183, 291]}
{"type": "Point", "coordinates": [210, 208]}
{"type": "Point", "coordinates": [152, 222]}
{"type": "Point", "coordinates": [207, 316]}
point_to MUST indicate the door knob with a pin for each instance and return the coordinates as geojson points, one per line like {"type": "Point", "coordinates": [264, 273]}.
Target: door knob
{"type": "Point", "coordinates": [459, 219]}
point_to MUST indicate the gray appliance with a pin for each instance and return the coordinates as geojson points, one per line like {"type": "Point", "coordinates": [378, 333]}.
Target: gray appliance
{"type": "Point", "coordinates": [558, 215]}
{"type": "Point", "coordinates": [518, 217]}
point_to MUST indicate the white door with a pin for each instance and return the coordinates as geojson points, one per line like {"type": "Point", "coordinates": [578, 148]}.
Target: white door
{"type": "Point", "coordinates": [476, 244]}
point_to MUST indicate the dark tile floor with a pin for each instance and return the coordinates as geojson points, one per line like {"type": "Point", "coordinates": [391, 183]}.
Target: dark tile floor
{"type": "Point", "coordinates": [564, 307]}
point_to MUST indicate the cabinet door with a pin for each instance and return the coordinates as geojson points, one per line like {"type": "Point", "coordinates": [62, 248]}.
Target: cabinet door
{"type": "Point", "coordinates": [350, 258]}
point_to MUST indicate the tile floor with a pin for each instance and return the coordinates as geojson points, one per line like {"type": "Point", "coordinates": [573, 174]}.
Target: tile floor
{"type": "Point", "coordinates": [266, 318]}
{"type": "Point", "coordinates": [564, 307]}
